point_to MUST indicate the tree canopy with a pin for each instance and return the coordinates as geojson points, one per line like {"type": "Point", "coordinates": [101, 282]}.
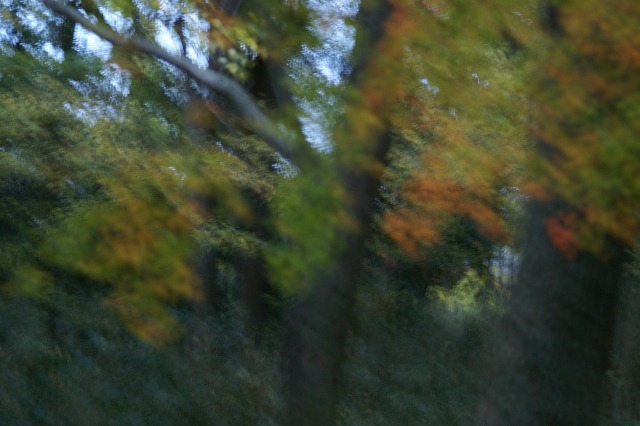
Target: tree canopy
{"type": "Point", "coordinates": [279, 171]}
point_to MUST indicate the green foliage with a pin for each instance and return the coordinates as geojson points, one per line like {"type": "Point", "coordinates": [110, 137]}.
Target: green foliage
{"type": "Point", "coordinates": [410, 361]}
{"type": "Point", "coordinates": [31, 282]}
{"type": "Point", "coordinates": [310, 236]}
{"type": "Point", "coordinates": [466, 143]}
{"type": "Point", "coordinates": [468, 298]}
{"type": "Point", "coordinates": [76, 365]}
{"type": "Point", "coordinates": [587, 97]}
{"type": "Point", "coordinates": [35, 134]}
{"type": "Point", "coordinates": [114, 203]}
{"type": "Point", "coordinates": [120, 201]}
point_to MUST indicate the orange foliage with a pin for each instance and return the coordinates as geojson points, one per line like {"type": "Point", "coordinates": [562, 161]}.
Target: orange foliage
{"type": "Point", "coordinates": [411, 230]}
{"type": "Point", "coordinates": [434, 202]}
{"type": "Point", "coordinates": [383, 87]}
{"type": "Point", "coordinates": [473, 126]}
{"type": "Point", "coordinates": [582, 99]}
{"type": "Point", "coordinates": [588, 120]}
{"type": "Point", "coordinates": [561, 230]}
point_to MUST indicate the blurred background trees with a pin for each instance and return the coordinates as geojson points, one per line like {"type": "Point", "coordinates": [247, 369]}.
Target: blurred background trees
{"type": "Point", "coordinates": [318, 212]}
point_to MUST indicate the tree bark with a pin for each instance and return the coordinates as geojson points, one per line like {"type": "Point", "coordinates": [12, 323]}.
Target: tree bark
{"type": "Point", "coordinates": [316, 325]}
{"type": "Point", "coordinates": [551, 353]}
{"type": "Point", "coordinates": [317, 322]}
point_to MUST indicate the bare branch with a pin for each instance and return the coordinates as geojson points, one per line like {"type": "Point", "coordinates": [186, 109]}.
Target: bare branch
{"type": "Point", "coordinates": [218, 82]}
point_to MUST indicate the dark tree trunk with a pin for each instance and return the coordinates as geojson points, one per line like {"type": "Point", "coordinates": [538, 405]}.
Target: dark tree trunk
{"type": "Point", "coordinates": [255, 289]}
{"type": "Point", "coordinates": [317, 324]}
{"type": "Point", "coordinates": [553, 347]}
{"type": "Point", "coordinates": [551, 353]}
{"type": "Point", "coordinates": [316, 330]}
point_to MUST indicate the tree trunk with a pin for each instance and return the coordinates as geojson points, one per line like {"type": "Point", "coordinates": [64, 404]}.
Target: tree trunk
{"type": "Point", "coordinates": [317, 324]}
{"type": "Point", "coordinates": [316, 329]}
{"type": "Point", "coordinates": [551, 352]}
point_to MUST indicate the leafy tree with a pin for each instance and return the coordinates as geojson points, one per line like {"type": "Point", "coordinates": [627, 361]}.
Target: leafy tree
{"type": "Point", "coordinates": [202, 173]}
{"type": "Point", "coordinates": [312, 252]}
{"type": "Point", "coordinates": [555, 341]}
{"type": "Point", "coordinates": [451, 189]}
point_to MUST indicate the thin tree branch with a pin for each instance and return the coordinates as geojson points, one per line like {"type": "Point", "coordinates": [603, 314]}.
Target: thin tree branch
{"type": "Point", "coordinates": [218, 82]}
